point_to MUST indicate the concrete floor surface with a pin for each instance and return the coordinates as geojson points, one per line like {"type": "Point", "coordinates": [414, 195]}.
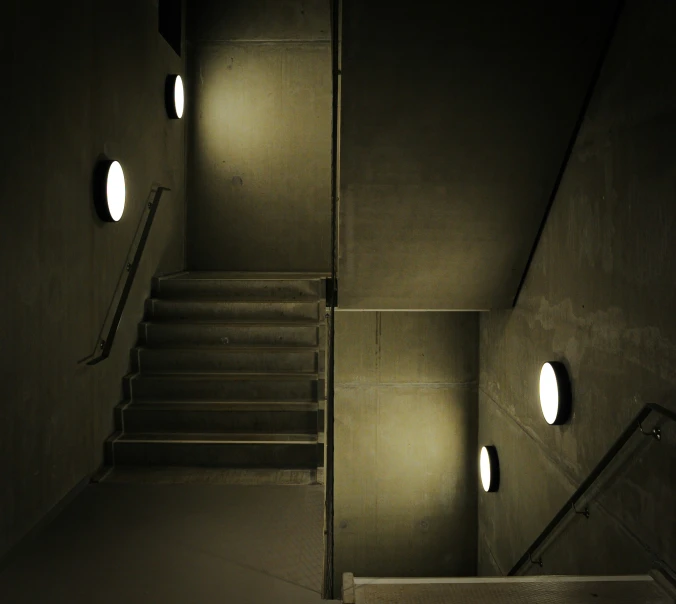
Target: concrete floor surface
{"type": "Point", "coordinates": [176, 543]}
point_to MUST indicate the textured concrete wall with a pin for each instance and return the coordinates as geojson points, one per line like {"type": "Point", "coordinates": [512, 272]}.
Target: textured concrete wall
{"type": "Point", "coordinates": [599, 297]}
{"type": "Point", "coordinates": [454, 122]}
{"type": "Point", "coordinates": [79, 79]}
{"type": "Point", "coordinates": [405, 437]}
{"type": "Point", "coordinates": [259, 174]}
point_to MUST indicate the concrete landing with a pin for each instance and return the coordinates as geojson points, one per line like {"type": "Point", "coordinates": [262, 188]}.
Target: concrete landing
{"type": "Point", "coordinates": [176, 544]}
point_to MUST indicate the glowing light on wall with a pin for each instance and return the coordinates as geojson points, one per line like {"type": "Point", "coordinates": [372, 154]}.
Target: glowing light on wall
{"type": "Point", "coordinates": [109, 190]}
{"type": "Point", "coordinates": [174, 96]}
{"type": "Point", "coordinates": [555, 393]}
{"type": "Point", "coordinates": [489, 469]}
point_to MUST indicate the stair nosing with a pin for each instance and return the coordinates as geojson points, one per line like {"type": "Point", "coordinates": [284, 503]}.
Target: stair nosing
{"type": "Point", "coordinates": [305, 323]}
{"type": "Point", "coordinates": [238, 300]}
{"type": "Point", "coordinates": [243, 375]}
{"type": "Point", "coordinates": [162, 404]}
{"type": "Point", "coordinates": [272, 323]}
{"type": "Point", "coordinates": [203, 438]}
{"type": "Point", "coordinates": [252, 276]}
{"type": "Point", "coordinates": [229, 348]}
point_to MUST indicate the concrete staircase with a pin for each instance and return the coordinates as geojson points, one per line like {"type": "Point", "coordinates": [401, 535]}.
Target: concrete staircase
{"type": "Point", "coordinates": [228, 373]}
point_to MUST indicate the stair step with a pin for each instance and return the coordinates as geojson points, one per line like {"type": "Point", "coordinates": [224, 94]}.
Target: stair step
{"type": "Point", "coordinates": [221, 360]}
{"type": "Point", "coordinates": [202, 475]}
{"type": "Point", "coordinates": [222, 438]}
{"type": "Point", "coordinates": [225, 387]}
{"type": "Point", "coordinates": [218, 310]}
{"type": "Point", "coordinates": [172, 416]}
{"type": "Point", "coordinates": [248, 275]}
{"type": "Point", "coordinates": [231, 334]}
{"type": "Point", "coordinates": [215, 450]}
{"type": "Point", "coordinates": [239, 286]}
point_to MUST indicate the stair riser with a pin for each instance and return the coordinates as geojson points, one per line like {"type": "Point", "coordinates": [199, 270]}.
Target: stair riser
{"type": "Point", "coordinates": [165, 310]}
{"type": "Point", "coordinates": [205, 389]}
{"type": "Point", "coordinates": [158, 334]}
{"type": "Point", "coordinates": [287, 455]}
{"type": "Point", "coordinates": [244, 422]}
{"type": "Point", "coordinates": [198, 361]}
{"type": "Point", "coordinates": [234, 289]}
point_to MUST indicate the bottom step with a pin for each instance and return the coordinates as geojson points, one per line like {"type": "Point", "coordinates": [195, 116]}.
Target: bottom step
{"type": "Point", "coordinates": [289, 451]}
{"type": "Point", "coordinates": [216, 476]}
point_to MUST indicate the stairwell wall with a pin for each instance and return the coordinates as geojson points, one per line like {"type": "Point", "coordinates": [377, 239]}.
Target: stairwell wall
{"type": "Point", "coordinates": [79, 80]}
{"type": "Point", "coordinates": [405, 421]}
{"type": "Point", "coordinates": [259, 172]}
{"type": "Point", "coordinates": [599, 296]}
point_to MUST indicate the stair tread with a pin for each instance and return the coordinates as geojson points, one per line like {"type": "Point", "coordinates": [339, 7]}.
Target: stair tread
{"type": "Point", "coordinates": [234, 300]}
{"type": "Point", "coordinates": [217, 438]}
{"type": "Point", "coordinates": [230, 376]}
{"type": "Point", "coordinates": [259, 322]}
{"type": "Point", "coordinates": [162, 405]}
{"type": "Point", "coordinates": [228, 348]}
{"type": "Point", "coordinates": [245, 276]}
{"type": "Point", "coordinates": [248, 323]}
{"type": "Point", "coordinates": [202, 475]}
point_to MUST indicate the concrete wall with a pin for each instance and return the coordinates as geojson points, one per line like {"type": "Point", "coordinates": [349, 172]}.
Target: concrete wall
{"type": "Point", "coordinates": [260, 150]}
{"type": "Point", "coordinates": [599, 297]}
{"type": "Point", "coordinates": [454, 122]}
{"type": "Point", "coordinates": [79, 79]}
{"type": "Point", "coordinates": [405, 440]}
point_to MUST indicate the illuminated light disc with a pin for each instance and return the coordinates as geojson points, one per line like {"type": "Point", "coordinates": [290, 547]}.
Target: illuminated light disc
{"type": "Point", "coordinates": [115, 191]}
{"type": "Point", "coordinates": [485, 468]}
{"type": "Point", "coordinates": [555, 393]}
{"type": "Point", "coordinates": [179, 98]}
{"type": "Point", "coordinates": [549, 393]}
{"type": "Point", "coordinates": [489, 469]}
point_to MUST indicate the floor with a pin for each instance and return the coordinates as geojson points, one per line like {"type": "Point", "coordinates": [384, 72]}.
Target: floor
{"type": "Point", "coordinates": [176, 543]}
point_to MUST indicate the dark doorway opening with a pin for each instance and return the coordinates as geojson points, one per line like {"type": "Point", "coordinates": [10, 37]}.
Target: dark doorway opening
{"type": "Point", "coordinates": [170, 23]}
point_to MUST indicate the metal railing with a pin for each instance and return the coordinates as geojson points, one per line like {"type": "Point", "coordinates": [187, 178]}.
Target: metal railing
{"type": "Point", "coordinates": [570, 506]}
{"type": "Point", "coordinates": [328, 587]}
{"type": "Point", "coordinates": [105, 344]}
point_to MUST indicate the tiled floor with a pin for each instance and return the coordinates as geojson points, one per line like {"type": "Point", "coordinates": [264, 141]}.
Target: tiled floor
{"type": "Point", "coordinates": [176, 543]}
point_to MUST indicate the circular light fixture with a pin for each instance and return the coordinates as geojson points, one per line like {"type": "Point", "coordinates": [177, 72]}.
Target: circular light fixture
{"type": "Point", "coordinates": [555, 393]}
{"type": "Point", "coordinates": [174, 96]}
{"type": "Point", "coordinates": [109, 190]}
{"type": "Point", "coordinates": [489, 468]}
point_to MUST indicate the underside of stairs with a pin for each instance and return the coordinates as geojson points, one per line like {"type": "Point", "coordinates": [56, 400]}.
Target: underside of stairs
{"type": "Point", "coordinates": [228, 373]}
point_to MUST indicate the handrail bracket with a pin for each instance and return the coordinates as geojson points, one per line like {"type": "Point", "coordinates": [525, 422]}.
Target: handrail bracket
{"type": "Point", "coordinates": [656, 433]}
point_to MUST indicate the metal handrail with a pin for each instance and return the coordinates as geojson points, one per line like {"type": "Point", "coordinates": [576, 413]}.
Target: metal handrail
{"type": "Point", "coordinates": [106, 344]}
{"type": "Point", "coordinates": [328, 588]}
{"type": "Point", "coordinates": [636, 423]}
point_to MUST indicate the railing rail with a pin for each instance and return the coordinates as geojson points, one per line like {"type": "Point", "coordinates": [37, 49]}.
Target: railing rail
{"type": "Point", "coordinates": [328, 587]}
{"type": "Point", "coordinates": [106, 344]}
{"type": "Point", "coordinates": [570, 505]}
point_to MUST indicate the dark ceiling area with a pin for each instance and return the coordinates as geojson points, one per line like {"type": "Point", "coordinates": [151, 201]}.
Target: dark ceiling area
{"type": "Point", "coordinates": [455, 121]}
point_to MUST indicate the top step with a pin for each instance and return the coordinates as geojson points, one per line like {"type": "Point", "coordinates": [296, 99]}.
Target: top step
{"type": "Point", "coordinates": [241, 286]}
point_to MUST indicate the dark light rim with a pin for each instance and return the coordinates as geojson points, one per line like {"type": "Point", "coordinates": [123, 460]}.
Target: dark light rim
{"type": "Point", "coordinates": [101, 189]}
{"type": "Point", "coordinates": [169, 100]}
{"type": "Point", "coordinates": [494, 483]}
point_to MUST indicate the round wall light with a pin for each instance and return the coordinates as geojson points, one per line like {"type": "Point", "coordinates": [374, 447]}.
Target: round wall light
{"type": "Point", "coordinates": [174, 97]}
{"type": "Point", "coordinates": [489, 469]}
{"type": "Point", "coordinates": [555, 393]}
{"type": "Point", "coordinates": [109, 190]}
